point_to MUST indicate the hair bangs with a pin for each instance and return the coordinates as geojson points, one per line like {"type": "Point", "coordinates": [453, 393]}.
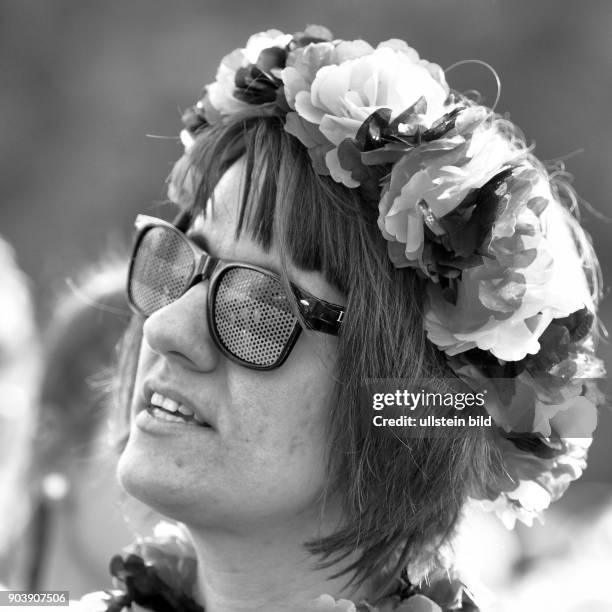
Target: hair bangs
{"type": "Point", "coordinates": [311, 219]}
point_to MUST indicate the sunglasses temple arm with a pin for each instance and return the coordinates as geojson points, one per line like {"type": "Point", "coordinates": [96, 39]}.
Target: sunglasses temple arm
{"type": "Point", "coordinates": [320, 315]}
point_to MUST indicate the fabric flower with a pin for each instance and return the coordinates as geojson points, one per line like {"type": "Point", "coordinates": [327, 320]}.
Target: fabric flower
{"type": "Point", "coordinates": [537, 473]}
{"type": "Point", "coordinates": [304, 63]}
{"type": "Point", "coordinates": [507, 511]}
{"type": "Point", "coordinates": [157, 573]}
{"type": "Point", "coordinates": [171, 551]}
{"type": "Point", "coordinates": [220, 100]}
{"type": "Point", "coordinates": [505, 304]}
{"type": "Point", "coordinates": [326, 603]}
{"type": "Point", "coordinates": [440, 175]}
{"type": "Point", "coordinates": [525, 404]}
{"type": "Point", "coordinates": [100, 601]}
{"type": "Point", "coordinates": [419, 603]}
{"type": "Point", "coordinates": [341, 97]}
{"type": "Point", "coordinates": [532, 483]}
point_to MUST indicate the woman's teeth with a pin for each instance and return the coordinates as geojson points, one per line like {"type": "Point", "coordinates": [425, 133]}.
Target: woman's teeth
{"type": "Point", "coordinates": [167, 409]}
{"type": "Point", "coordinates": [158, 413]}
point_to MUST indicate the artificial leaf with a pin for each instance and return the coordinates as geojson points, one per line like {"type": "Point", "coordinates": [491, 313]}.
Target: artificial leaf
{"type": "Point", "coordinates": [254, 86]}
{"type": "Point", "coordinates": [386, 155]}
{"type": "Point", "coordinates": [272, 57]}
{"type": "Point", "coordinates": [418, 108]}
{"type": "Point", "coordinates": [469, 223]}
{"type": "Point", "coordinates": [441, 126]}
{"type": "Point", "coordinates": [372, 130]}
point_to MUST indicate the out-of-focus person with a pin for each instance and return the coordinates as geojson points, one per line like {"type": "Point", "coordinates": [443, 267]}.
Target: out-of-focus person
{"type": "Point", "coordinates": [77, 517]}
{"type": "Point", "coordinates": [19, 366]}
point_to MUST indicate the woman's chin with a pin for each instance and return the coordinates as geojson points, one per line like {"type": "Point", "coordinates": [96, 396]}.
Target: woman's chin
{"type": "Point", "coordinates": [162, 482]}
{"type": "Point", "coordinates": [143, 476]}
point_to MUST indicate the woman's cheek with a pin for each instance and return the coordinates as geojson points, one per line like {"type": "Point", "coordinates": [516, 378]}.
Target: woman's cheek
{"type": "Point", "coordinates": [286, 443]}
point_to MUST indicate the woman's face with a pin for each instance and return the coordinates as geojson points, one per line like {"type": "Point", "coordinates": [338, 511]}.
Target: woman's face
{"type": "Point", "coordinates": [264, 456]}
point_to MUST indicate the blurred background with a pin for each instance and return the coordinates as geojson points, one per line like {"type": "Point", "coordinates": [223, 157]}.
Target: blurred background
{"type": "Point", "coordinates": [85, 84]}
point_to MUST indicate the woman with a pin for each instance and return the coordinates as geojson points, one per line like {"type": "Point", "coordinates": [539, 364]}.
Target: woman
{"type": "Point", "coordinates": [345, 218]}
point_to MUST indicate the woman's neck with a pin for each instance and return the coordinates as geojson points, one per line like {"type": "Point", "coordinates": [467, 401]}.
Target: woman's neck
{"type": "Point", "coordinates": [266, 569]}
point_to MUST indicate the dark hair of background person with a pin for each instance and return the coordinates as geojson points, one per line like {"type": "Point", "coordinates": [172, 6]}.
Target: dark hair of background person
{"type": "Point", "coordinates": [79, 359]}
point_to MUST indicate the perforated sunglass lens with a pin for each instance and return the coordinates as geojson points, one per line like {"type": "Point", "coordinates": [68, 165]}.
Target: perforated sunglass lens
{"type": "Point", "coordinates": [252, 315]}
{"type": "Point", "coordinates": [162, 265]}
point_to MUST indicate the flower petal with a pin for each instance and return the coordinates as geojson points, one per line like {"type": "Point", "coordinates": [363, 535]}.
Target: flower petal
{"type": "Point", "coordinates": [338, 173]}
{"type": "Point", "coordinates": [337, 129]}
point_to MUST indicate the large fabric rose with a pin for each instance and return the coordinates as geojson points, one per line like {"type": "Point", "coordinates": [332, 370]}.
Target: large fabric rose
{"type": "Point", "coordinates": [341, 97]}
{"type": "Point", "coordinates": [304, 63]}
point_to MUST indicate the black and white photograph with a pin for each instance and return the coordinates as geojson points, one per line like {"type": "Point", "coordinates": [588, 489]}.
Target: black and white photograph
{"type": "Point", "coordinates": [304, 306]}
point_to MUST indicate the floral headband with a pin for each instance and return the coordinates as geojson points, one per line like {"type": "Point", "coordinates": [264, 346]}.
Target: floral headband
{"type": "Point", "coordinates": [462, 200]}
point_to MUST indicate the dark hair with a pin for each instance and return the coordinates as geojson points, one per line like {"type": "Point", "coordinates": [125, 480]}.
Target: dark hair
{"type": "Point", "coordinates": [80, 340]}
{"type": "Point", "coordinates": [402, 495]}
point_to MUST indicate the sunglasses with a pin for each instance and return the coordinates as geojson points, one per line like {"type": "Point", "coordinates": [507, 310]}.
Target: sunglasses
{"type": "Point", "coordinates": [251, 318]}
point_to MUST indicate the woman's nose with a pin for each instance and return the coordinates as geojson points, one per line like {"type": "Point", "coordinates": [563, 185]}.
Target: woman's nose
{"type": "Point", "coordinates": [180, 331]}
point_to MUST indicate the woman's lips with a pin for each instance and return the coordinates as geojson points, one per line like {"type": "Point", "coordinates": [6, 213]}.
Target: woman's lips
{"type": "Point", "coordinates": [156, 421]}
{"type": "Point", "coordinates": [172, 410]}
{"type": "Point", "coordinates": [165, 403]}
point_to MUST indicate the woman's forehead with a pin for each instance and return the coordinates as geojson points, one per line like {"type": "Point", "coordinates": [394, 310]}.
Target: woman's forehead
{"type": "Point", "coordinates": [217, 229]}
{"type": "Point", "coordinates": [218, 225]}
